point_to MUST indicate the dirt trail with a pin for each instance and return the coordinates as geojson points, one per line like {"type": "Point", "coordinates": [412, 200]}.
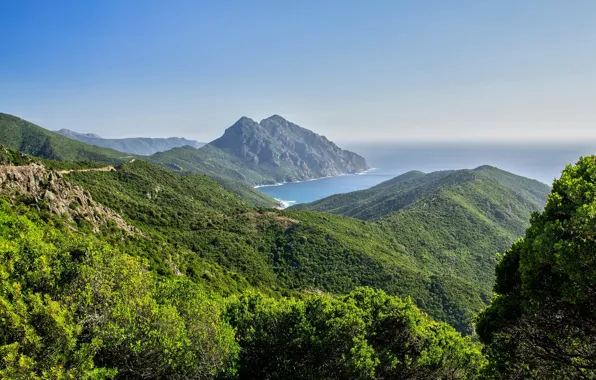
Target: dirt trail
{"type": "Point", "coordinates": [103, 169]}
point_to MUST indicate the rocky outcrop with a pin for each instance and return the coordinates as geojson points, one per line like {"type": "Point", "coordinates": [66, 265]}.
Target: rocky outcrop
{"type": "Point", "coordinates": [286, 151]}
{"type": "Point", "coordinates": [50, 189]}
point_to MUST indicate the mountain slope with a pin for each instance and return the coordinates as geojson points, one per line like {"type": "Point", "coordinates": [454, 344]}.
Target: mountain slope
{"type": "Point", "coordinates": [23, 136]}
{"type": "Point", "coordinates": [382, 199]}
{"type": "Point", "coordinates": [272, 151]}
{"type": "Point", "coordinates": [406, 189]}
{"type": "Point", "coordinates": [85, 305]}
{"type": "Point", "coordinates": [291, 251]}
{"type": "Point", "coordinates": [453, 221]}
{"type": "Point", "coordinates": [144, 146]}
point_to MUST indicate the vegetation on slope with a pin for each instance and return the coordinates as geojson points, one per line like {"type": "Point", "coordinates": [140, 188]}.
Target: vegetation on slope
{"type": "Point", "coordinates": [406, 189]}
{"type": "Point", "coordinates": [29, 138]}
{"type": "Point", "coordinates": [452, 224]}
{"type": "Point", "coordinates": [211, 161]}
{"type": "Point", "coordinates": [80, 306]}
{"type": "Point", "coordinates": [290, 251]}
{"type": "Point", "coordinates": [542, 323]}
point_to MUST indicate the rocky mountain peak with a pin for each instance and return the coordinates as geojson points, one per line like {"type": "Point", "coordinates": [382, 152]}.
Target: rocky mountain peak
{"type": "Point", "coordinates": [286, 150]}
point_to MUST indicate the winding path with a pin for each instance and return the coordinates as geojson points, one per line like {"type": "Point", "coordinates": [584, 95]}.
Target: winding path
{"type": "Point", "coordinates": [109, 168]}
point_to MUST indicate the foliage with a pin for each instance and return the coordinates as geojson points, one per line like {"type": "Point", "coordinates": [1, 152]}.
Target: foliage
{"type": "Point", "coordinates": [542, 323]}
{"type": "Point", "coordinates": [12, 157]}
{"type": "Point", "coordinates": [73, 307]}
{"type": "Point", "coordinates": [450, 223]}
{"type": "Point", "coordinates": [439, 252]}
{"type": "Point", "coordinates": [365, 334]}
{"type": "Point", "coordinates": [399, 193]}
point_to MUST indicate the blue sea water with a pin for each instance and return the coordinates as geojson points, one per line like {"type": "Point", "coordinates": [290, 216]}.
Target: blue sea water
{"type": "Point", "coordinates": [542, 162]}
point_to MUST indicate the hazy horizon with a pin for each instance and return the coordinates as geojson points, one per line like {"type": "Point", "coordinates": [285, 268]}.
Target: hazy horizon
{"type": "Point", "coordinates": [385, 71]}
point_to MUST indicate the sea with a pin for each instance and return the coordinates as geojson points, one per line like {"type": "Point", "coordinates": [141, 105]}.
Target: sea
{"type": "Point", "coordinates": [543, 162]}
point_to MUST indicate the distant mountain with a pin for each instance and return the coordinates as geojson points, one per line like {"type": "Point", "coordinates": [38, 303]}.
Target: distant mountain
{"type": "Point", "coordinates": [26, 137]}
{"type": "Point", "coordinates": [144, 146]}
{"type": "Point", "coordinates": [272, 151]}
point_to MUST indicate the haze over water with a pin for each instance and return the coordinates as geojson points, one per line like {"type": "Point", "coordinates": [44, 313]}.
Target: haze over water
{"type": "Point", "coordinates": [542, 162]}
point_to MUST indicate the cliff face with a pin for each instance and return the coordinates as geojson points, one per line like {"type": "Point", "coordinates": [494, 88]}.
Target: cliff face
{"type": "Point", "coordinates": [50, 190]}
{"type": "Point", "coordinates": [287, 151]}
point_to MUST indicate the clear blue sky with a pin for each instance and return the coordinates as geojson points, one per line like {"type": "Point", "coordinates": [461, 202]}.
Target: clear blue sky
{"type": "Point", "coordinates": [351, 70]}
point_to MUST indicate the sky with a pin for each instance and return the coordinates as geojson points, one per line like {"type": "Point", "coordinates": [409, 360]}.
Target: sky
{"type": "Point", "coordinates": [416, 70]}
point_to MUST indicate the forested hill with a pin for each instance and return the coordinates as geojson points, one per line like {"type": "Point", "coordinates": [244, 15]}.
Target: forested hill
{"type": "Point", "coordinates": [138, 272]}
{"type": "Point", "coordinates": [274, 150]}
{"type": "Point", "coordinates": [143, 146]}
{"type": "Point", "coordinates": [26, 137]}
{"type": "Point", "coordinates": [447, 272]}
{"type": "Point", "coordinates": [406, 189]}
{"type": "Point", "coordinates": [453, 221]}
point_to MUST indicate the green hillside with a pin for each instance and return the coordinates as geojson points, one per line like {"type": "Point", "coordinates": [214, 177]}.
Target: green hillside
{"type": "Point", "coordinates": [206, 285]}
{"type": "Point", "coordinates": [452, 223]}
{"type": "Point", "coordinates": [297, 250]}
{"type": "Point", "coordinates": [402, 191]}
{"type": "Point", "coordinates": [23, 136]}
{"type": "Point", "coordinates": [208, 160]}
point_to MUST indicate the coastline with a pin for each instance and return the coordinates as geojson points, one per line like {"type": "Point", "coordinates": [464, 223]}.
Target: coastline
{"type": "Point", "coordinates": [316, 179]}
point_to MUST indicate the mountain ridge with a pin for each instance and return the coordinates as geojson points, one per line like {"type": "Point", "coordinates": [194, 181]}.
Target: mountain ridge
{"type": "Point", "coordinates": [144, 146]}
{"type": "Point", "coordinates": [403, 190]}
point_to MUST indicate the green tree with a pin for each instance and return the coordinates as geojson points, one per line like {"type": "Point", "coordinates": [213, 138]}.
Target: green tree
{"type": "Point", "coordinates": [39, 333]}
{"type": "Point", "coordinates": [75, 307]}
{"type": "Point", "coordinates": [366, 334]}
{"type": "Point", "coordinates": [318, 338]}
{"type": "Point", "coordinates": [543, 321]}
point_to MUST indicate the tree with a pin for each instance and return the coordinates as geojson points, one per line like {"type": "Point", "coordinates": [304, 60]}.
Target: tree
{"type": "Point", "coordinates": [542, 323]}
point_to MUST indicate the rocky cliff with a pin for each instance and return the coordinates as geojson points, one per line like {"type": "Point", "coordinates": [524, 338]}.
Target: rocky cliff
{"type": "Point", "coordinates": [51, 191]}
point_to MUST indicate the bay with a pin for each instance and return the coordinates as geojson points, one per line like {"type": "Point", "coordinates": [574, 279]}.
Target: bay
{"type": "Point", "coordinates": [542, 162]}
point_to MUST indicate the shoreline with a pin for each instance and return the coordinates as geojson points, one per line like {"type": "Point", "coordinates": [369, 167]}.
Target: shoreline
{"type": "Point", "coordinates": [316, 179]}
